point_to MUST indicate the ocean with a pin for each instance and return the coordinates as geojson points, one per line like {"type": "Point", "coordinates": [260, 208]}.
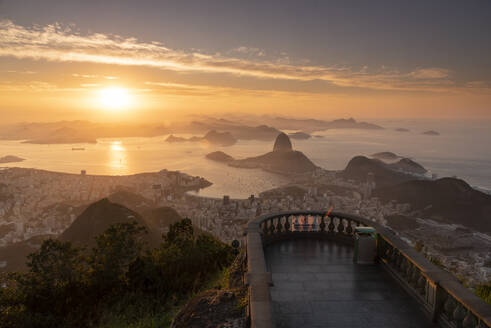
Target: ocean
{"type": "Point", "coordinates": [461, 150]}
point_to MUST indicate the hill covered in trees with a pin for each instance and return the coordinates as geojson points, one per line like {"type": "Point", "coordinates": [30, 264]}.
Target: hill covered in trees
{"type": "Point", "coordinates": [120, 282]}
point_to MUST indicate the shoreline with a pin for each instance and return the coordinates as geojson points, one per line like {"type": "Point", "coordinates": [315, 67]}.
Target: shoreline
{"type": "Point", "coordinates": [482, 189]}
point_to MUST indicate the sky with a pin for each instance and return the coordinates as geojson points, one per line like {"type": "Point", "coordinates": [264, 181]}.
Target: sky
{"type": "Point", "coordinates": [160, 60]}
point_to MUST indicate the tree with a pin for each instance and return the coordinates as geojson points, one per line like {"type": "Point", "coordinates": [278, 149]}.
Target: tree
{"type": "Point", "coordinates": [51, 288]}
{"type": "Point", "coordinates": [118, 247]}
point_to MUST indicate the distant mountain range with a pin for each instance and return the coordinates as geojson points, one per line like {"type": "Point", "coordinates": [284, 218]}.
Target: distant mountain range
{"type": "Point", "coordinates": [212, 137]}
{"type": "Point", "coordinates": [71, 132]}
{"type": "Point", "coordinates": [312, 125]}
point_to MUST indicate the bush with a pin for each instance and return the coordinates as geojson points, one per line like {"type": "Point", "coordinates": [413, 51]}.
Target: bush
{"type": "Point", "coordinates": [118, 283]}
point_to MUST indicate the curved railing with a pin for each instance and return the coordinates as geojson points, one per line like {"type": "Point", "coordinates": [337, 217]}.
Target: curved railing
{"type": "Point", "coordinates": [443, 297]}
{"type": "Point", "coordinates": [317, 224]}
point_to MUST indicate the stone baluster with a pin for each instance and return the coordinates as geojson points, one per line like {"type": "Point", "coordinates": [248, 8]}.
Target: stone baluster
{"type": "Point", "coordinates": [414, 276]}
{"type": "Point", "coordinates": [386, 252]}
{"type": "Point", "coordinates": [349, 229]}
{"type": "Point", "coordinates": [331, 224]}
{"type": "Point", "coordinates": [393, 257]}
{"type": "Point", "coordinates": [288, 225]}
{"type": "Point", "coordinates": [469, 321]}
{"type": "Point", "coordinates": [421, 284]}
{"type": "Point", "coordinates": [317, 222]}
{"type": "Point", "coordinates": [482, 325]}
{"type": "Point", "coordinates": [322, 226]}
{"type": "Point", "coordinates": [279, 225]}
{"type": "Point", "coordinates": [402, 265]}
{"type": "Point", "coordinates": [409, 271]}
{"type": "Point", "coordinates": [264, 227]}
{"type": "Point", "coordinates": [459, 315]}
{"type": "Point", "coordinates": [340, 226]}
{"type": "Point", "coordinates": [449, 307]}
{"type": "Point", "coordinates": [400, 261]}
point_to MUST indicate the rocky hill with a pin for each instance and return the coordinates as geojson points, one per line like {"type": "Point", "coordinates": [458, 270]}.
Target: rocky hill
{"type": "Point", "coordinates": [239, 131]}
{"type": "Point", "coordinates": [409, 166]}
{"type": "Point", "coordinates": [283, 159]}
{"type": "Point", "coordinates": [292, 162]}
{"type": "Point", "coordinates": [450, 200]}
{"type": "Point", "coordinates": [220, 138]}
{"type": "Point", "coordinates": [161, 218]}
{"type": "Point", "coordinates": [431, 133]}
{"type": "Point", "coordinates": [359, 167]}
{"type": "Point", "coordinates": [386, 156]}
{"type": "Point", "coordinates": [11, 159]}
{"type": "Point", "coordinates": [97, 218]}
{"type": "Point", "coordinates": [300, 135]}
{"type": "Point", "coordinates": [219, 156]}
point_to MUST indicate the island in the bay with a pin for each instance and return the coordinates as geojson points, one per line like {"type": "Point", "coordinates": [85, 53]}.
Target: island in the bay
{"type": "Point", "coordinates": [213, 137]}
{"type": "Point", "coordinates": [282, 160]}
{"type": "Point", "coordinates": [431, 133]}
{"type": "Point", "coordinates": [10, 159]}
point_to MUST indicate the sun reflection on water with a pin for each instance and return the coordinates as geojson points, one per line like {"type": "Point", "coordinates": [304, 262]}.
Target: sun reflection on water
{"type": "Point", "coordinates": [118, 157]}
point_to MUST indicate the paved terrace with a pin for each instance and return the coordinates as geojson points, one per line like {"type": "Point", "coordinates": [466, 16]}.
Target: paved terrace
{"type": "Point", "coordinates": [316, 284]}
{"type": "Point", "coordinates": [300, 273]}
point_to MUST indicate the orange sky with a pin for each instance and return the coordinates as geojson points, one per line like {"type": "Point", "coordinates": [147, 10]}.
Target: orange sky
{"type": "Point", "coordinates": [51, 73]}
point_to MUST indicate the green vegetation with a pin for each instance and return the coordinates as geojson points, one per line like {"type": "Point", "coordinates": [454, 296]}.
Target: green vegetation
{"type": "Point", "coordinates": [119, 283]}
{"type": "Point", "coordinates": [484, 292]}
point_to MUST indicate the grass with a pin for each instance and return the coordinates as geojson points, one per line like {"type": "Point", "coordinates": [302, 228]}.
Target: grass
{"type": "Point", "coordinates": [143, 311]}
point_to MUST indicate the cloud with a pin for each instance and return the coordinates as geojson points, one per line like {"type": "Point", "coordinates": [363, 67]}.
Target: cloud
{"type": "Point", "coordinates": [20, 72]}
{"type": "Point", "coordinates": [430, 73]}
{"type": "Point", "coordinates": [85, 76]}
{"type": "Point", "coordinates": [90, 85]}
{"type": "Point", "coordinates": [63, 44]}
{"type": "Point", "coordinates": [34, 86]}
{"type": "Point", "coordinates": [182, 89]}
{"type": "Point", "coordinates": [249, 51]}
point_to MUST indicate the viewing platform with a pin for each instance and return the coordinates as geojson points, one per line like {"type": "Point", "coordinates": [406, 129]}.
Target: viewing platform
{"type": "Point", "coordinates": [301, 274]}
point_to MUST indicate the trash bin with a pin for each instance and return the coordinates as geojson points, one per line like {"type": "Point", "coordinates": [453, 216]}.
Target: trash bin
{"type": "Point", "coordinates": [365, 245]}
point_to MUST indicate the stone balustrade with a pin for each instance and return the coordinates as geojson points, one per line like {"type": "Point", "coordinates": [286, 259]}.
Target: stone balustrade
{"type": "Point", "coordinates": [440, 294]}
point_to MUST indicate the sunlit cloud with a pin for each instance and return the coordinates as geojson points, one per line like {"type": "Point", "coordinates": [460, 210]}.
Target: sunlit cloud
{"type": "Point", "coordinates": [183, 89]}
{"type": "Point", "coordinates": [430, 73]}
{"type": "Point", "coordinates": [90, 85]}
{"type": "Point", "coordinates": [20, 72]}
{"type": "Point", "coordinates": [249, 51]}
{"type": "Point", "coordinates": [85, 76]}
{"type": "Point", "coordinates": [33, 86]}
{"type": "Point", "coordinates": [63, 44]}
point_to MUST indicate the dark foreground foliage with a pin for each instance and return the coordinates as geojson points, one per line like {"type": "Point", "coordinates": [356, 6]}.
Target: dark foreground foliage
{"type": "Point", "coordinates": [484, 292]}
{"type": "Point", "coordinates": [118, 283]}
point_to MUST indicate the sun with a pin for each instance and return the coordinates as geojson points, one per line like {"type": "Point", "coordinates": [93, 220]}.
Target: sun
{"type": "Point", "coordinates": [114, 98]}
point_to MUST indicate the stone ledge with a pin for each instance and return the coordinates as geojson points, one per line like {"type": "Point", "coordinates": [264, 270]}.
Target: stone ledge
{"type": "Point", "coordinates": [259, 279]}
